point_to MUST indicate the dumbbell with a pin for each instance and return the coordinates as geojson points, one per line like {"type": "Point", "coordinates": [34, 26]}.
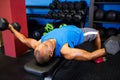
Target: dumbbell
{"type": "Point", "coordinates": [4, 25]}
{"type": "Point", "coordinates": [64, 5]}
{"type": "Point", "coordinates": [68, 17]}
{"type": "Point", "coordinates": [61, 15]}
{"type": "Point", "coordinates": [112, 45]}
{"type": "Point", "coordinates": [99, 14]}
{"type": "Point", "coordinates": [111, 32]}
{"type": "Point", "coordinates": [52, 14]}
{"type": "Point", "coordinates": [54, 4]}
{"type": "Point", "coordinates": [80, 5]}
{"type": "Point", "coordinates": [36, 35]}
{"type": "Point", "coordinates": [82, 12]}
{"type": "Point", "coordinates": [102, 31]}
{"type": "Point", "coordinates": [111, 15]}
{"type": "Point", "coordinates": [70, 5]}
{"type": "Point", "coordinates": [77, 17]}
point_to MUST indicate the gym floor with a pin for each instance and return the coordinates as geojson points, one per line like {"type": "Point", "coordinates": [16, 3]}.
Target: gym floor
{"type": "Point", "coordinates": [12, 68]}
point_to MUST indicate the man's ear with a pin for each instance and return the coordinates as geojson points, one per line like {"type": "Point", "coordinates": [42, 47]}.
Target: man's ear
{"type": "Point", "coordinates": [51, 54]}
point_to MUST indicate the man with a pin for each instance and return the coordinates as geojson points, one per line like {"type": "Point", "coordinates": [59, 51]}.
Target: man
{"type": "Point", "coordinates": [61, 42]}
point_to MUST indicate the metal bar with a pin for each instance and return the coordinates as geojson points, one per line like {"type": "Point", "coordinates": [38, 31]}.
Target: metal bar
{"type": "Point", "coordinates": [91, 13]}
{"type": "Point", "coordinates": [37, 16]}
{"type": "Point", "coordinates": [38, 7]}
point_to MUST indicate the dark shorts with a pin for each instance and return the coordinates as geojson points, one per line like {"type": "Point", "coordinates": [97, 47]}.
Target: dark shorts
{"type": "Point", "coordinates": [89, 34]}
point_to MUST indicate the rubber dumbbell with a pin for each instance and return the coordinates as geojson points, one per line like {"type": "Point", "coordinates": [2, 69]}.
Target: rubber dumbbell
{"type": "Point", "coordinates": [54, 4]}
{"type": "Point", "coordinates": [82, 12]}
{"type": "Point", "coordinates": [4, 25]}
{"type": "Point", "coordinates": [61, 16]}
{"type": "Point", "coordinates": [111, 32]}
{"type": "Point", "coordinates": [64, 5]}
{"type": "Point", "coordinates": [99, 14]}
{"type": "Point", "coordinates": [112, 45]}
{"type": "Point", "coordinates": [77, 17]}
{"type": "Point", "coordinates": [36, 35]}
{"type": "Point", "coordinates": [80, 5]}
{"type": "Point", "coordinates": [111, 15]}
{"type": "Point", "coordinates": [52, 14]}
{"type": "Point", "coordinates": [68, 17]}
{"type": "Point", "coordinates": [70, 5]}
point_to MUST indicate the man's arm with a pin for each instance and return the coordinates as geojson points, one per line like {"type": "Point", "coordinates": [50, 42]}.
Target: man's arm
{"type": "Point", "coordinates": [32, 43]}
{"type": "Point", "coordinates": [80, 54]}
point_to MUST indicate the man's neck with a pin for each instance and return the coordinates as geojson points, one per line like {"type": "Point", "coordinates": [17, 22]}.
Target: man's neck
{"type": "Point", "coordinates": [53, 41]}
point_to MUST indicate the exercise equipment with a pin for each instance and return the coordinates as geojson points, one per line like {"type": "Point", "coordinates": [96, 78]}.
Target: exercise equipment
{"type": "Point", "coordinates": [36, 35]}
{"type": "Point", "coordinates": [70, 5]}
{"type": "Point", "coordinates": [112, 45]}
{"type": "Point", "coordinates": [77, 17]}
{"type": "Point", "coordinates": [111, 15]}
{"type": "Point", "coordinates": [64, 5]}
{"type": "Point", "coordinates": [111, 32]}
{"type": "Point", "coordinates": [102, 31]}
{"type": "Point", "coordinates": [99, 14]}
{"type": "Point", "coordinates": [61, 15]}
{"type": "Point", "coordinates": [52, 15]}
{"type": "Point", "coordinates": [68, 17]}
{"type": "Point", "coordinates": [54, 4]}
{"type": "Point", "coordinates": [42, 70]}
{"type": "Point", "coordinates": [80, 5]}
{"type": "Point", "coordinates": [48, 28]}
{"type": "Point", "coordinates": [4, 25]}
{"type": "Point", "coordinates": [61, 25]}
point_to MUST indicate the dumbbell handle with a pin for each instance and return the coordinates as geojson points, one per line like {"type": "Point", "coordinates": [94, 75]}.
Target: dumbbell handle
{"type": "Point", "coordinates": [10, 27]}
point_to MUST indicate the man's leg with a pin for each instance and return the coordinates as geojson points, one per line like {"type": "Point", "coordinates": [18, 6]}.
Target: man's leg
{"type": "Point", "coordinates": [97, 41]}
{"type": "Point", "coordinates": [93, 35]}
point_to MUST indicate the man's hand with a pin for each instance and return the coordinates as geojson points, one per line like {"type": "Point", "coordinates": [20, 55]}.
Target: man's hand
{"type": "Point", "coordinates": [10, 27]}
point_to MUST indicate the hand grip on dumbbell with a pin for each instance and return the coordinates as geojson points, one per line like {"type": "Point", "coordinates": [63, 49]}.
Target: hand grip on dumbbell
{"type": "Point", "coordinates": [4, 25]}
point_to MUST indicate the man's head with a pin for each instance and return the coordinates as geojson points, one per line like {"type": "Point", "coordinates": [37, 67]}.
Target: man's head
{"type": "Point", "coordinates": [43, 52]}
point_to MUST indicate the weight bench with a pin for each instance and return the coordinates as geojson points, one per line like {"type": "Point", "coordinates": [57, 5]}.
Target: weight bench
{"type": "Point", "coordinates": [45, 71]}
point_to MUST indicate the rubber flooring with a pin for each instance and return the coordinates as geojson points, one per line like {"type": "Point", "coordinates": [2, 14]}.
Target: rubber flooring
{"type": "Point", "coordinates": [12, 68]}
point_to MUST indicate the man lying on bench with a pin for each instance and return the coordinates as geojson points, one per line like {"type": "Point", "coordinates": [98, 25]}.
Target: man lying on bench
{"type": "Point", "coordinates": [61, 42]}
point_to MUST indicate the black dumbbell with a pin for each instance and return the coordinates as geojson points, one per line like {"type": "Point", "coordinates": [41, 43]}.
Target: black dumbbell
{"type": "Point", "coordinates": [72, 12]}
{"type": "Point", "coordinates": [54, 4]}
{"type": "Point", "coordinates": [68, 17]}
{"type": "Point", "coordinates": [111, 15]}
{"type": "Point", "coordinates": [82, 12]}
{"type": "Point", "coordinates": [77, 17]}
{"type": "Point", "coordinates": [4, 25]}
{"type": "Point", "coordinates": [36, 35]}
{"type": "Point", "coordinates": [64, 5]}
{"type": "Point", "coordinates": [99, 14]}
{"type": "Point", "coordinates": [70, 5]}
{"type": "Point", "coordinates": [52, 14]}
{"type": "Point", "coordinates": [111, 32]}
{"type": "Point", "coordinates": [80, 5]}
{"type": "Point", "coordinates": [112, 45]}
{"type": "Point", "coordinates": [102, 31]}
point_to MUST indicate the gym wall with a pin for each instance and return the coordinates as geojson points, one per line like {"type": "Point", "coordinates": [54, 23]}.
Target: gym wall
{"type": "Point", "coordinates": [47, 2]}
{"type": "Point", "coordinates": [0, 39]}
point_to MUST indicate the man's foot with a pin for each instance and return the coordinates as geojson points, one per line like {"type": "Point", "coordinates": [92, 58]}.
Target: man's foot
{"type": "Point", "coordinates": [100, 60]}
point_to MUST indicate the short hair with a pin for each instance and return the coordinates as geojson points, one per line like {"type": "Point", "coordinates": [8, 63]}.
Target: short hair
{"type": "Point", "coordinates": [37, 57]}
{"type": "Point", "coordinates": [41, 62]}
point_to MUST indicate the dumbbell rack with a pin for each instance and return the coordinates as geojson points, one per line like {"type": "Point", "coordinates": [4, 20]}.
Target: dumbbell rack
{"type": "Point", "coordinates": [91, 12]}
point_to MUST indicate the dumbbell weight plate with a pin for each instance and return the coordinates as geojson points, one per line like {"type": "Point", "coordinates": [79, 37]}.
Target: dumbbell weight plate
{"type": "Point", "coordinates": [3, 24]}
{"type": "Point", "coordinates": [16, 26]}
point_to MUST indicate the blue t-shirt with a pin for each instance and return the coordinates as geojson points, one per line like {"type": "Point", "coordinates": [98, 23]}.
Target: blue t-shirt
{"type": "Point", "coordinates": [68, 34]}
